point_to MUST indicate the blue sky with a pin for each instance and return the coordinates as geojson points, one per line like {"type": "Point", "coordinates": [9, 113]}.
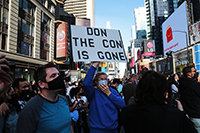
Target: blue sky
{"type": "Point", "coordinates": [120, 14]}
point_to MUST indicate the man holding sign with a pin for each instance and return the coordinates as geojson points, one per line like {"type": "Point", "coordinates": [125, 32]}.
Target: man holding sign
{"type": "Point", "coordinates": [104, 102]}
{"type": "Point", "coordinates": [95, 44]}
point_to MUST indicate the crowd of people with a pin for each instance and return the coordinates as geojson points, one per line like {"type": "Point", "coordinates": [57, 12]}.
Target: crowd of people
{"type": "Point", "coordinates": [142, 103]}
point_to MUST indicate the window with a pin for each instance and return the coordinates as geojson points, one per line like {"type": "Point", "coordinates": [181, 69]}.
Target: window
{"type": "Point", "coordinates": [27, 6]}
{"type": "Point", "coordinates": [20, 3]}
{"type": "Point", "coordinates": [5, 15]}
{"type": "Point", "coordinates": [4, 5]}
{"type": "Point", "coordinates": [26, 28]}
{"type": "Point", "coordinates": [3, 41]}
{"type": "Point", "coordinates": [45, 36]}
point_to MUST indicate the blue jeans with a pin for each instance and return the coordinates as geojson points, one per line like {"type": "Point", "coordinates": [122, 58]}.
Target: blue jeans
{"type": "Point", "coordinates": [196, 122]}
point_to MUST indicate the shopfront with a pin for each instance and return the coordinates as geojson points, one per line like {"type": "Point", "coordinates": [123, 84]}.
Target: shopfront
{"type": "Point", "coordinates": [181, 60]}
{"type": "Point", "coordinates": [165, 66]}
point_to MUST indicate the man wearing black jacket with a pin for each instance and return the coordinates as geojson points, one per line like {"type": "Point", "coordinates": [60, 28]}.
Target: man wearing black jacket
{"type": "Point", "coordinates": [190, 95]}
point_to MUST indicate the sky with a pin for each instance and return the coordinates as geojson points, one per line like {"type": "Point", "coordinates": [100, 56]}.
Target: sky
{"type": "Point", "coordinates": [121, 16]}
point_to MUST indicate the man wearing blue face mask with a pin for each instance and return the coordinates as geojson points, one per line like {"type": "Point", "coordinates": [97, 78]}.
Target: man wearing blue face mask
{"type": "Point", "coordinates": [104, 102]}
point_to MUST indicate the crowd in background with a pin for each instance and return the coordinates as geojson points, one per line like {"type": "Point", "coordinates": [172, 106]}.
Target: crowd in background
{"type": "Point", "coordinates": [141, 103]}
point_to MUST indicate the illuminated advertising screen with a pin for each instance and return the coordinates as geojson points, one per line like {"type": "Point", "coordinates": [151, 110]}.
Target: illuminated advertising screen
{"type": "Point", "coordinates": [175, 30]}
{"type": "Point", "coordinates": [61, 40]}
{"type": "Point", "coordinates": [149, 48]}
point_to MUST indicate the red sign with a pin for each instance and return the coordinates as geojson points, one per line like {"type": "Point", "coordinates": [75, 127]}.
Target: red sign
{"type": "Point", "coordinates": [169, 34]}
{"type": "Point", "coordinates": [61, 41]}
{"type": "Point", "coordinates": [132, 61]}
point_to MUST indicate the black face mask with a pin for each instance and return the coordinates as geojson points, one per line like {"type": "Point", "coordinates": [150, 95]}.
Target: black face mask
{"type": "Point", "coordinates": [55, 84]}
{"type": "Point", "coordinates": [25, 92]}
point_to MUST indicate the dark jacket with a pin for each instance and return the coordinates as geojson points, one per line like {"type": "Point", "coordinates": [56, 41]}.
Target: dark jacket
{"type": "Point", "coordinates": [190, 96]}
{"type": "Point", "coordinates": [154, 118]}
{"type": "Point", "coordinates": [128, 91]}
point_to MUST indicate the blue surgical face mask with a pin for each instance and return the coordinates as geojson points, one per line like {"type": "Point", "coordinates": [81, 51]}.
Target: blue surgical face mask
{"type": "Point", "coordinates": [102, 81]}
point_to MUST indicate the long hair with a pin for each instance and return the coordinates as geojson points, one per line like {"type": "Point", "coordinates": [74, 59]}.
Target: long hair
{"type": "Point", "coordinates": [151, 88]}
{"type": "Point", "coordinates": [171, 81]}
{"type": "Point", "coordinates": [74, 91]}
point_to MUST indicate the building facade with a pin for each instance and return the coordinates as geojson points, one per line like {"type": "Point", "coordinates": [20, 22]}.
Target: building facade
{"type": "Point", "coordinates": [27, 34]}
{"type": "Point", "coordinates": [157, 11]}
{"type": "Point", "coordinates": [81, 9]}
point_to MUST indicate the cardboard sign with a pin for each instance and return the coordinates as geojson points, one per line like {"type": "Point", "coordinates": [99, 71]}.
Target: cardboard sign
{"type": "Point", "coordinates": [96, 44]}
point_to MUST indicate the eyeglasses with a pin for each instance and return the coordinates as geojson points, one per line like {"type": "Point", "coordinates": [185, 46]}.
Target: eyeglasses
{"type": "Point", "coordinates": [102, 79]}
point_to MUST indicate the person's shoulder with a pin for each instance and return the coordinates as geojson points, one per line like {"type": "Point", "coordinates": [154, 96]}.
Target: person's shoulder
{"type": "Point", "coordinates": [35, 101]}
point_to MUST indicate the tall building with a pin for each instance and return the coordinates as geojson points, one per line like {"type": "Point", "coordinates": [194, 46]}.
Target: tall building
{"type": "Point", "coordinates": [192, 10]}
{"type": "Point", "coordinates": [156, 13]}
{"type": "Point", "coordinates": [81, 9]}
{"type": "Point", "coordinates": [27, 34]}
{"type": "Point", "coordinates": [140, 18]}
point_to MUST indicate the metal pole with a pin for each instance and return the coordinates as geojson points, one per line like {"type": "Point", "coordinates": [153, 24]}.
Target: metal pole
{"type": "Point", "coordinates": [188, 53]}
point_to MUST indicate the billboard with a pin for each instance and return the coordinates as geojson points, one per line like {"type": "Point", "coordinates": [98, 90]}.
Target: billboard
{"type": "Point", "coordinates": [61, 41]}
{"type": "Point", "coordinates": [148, 48]}
{"type": "Point", "coordinates": [175, 30]}
{"type": "Point", "coordinates": [194, 32]}
{"type": "Point", "coordinates": [96, 44]}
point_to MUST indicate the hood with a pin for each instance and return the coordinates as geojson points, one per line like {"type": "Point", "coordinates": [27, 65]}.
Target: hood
{"type": "Point", "coordinates": [185, 82]}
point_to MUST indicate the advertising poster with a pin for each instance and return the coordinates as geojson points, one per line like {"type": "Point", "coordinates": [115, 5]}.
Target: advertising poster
{"type": "Point", "coordinates": [175, 30]}
{"type": "Point", "coordinates": [194, 32]}
{"type": "Point", "coordinates": [61, 41]}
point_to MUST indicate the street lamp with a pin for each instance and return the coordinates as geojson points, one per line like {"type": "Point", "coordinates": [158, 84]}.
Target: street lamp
{"type": "Point", "coordinates": [188, 56]}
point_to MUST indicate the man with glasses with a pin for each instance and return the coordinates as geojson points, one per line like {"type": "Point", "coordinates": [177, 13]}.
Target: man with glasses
{"type": "Point", "coordinates": [104, 102]}
{"type": "Point", "coordinates": [190, 95]}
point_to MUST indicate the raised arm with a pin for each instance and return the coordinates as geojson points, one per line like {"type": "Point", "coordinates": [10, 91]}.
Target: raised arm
{"type": "Point", "coordinates": [88, 80]}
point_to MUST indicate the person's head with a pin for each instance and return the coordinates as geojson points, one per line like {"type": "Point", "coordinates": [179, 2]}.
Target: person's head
{"type": "Point", "coordinates": [116, 82]}
{"type": "Point", "coordinates": [75, 91]}
{"type": "Point", "coordinates": [176, 77]}
{"type": "Point", "coordinates": [48, 77]}
{"type": "Point", "coordinates": [151, 88]}
{"type": "Point", "coordinates": [100, 78]}
{"type": "Point", "coordinates": [20, 85]}
{"type": "Point", "coordinates": [133, 78]}
{"type": "Point", "coordinates": [189, 71]}
{"type": "Point", "coordinates": [7, 93]}
{"type": "Point", "coordinates": [171, 80]}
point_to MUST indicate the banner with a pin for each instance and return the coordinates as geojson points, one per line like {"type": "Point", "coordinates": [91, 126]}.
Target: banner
{"type": "Point", "coordinates": [61, 41]}
{"type": "Point", "coordinates": [96, 44]}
